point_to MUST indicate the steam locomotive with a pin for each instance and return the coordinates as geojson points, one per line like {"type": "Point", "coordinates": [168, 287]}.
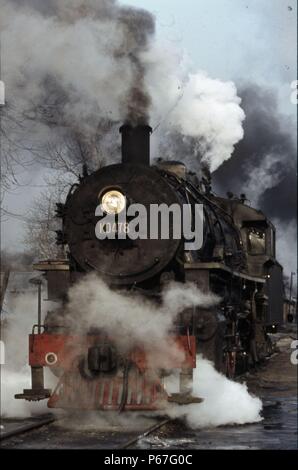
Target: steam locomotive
{"type": "Point", "coordinates": [236, 261]}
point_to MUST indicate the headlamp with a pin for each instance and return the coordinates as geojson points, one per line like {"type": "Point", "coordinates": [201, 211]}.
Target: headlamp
{"type": "Point", "coordinates": [113, 202]}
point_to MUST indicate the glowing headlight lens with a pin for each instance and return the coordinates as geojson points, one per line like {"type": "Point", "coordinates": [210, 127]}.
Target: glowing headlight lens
{"type": "Point", "coordinates": [113, 202]}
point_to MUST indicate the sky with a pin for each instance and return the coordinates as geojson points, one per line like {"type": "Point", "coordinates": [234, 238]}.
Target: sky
{"type": "Point", "coordinates": [238, 40]}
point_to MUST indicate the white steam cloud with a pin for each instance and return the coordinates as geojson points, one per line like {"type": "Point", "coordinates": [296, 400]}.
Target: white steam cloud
{"type": "Point", "coordinates": [225, 401]}
{"type": "Point", "coordinates": [132, 320]}
{"type": "Point", "coordinates": [15, 373]}
{"type": "Point", "coordinates": [200, 118]}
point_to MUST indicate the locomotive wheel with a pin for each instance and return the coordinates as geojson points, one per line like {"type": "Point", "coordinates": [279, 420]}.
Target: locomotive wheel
{"type": "Point", "coordinates": [269, 346]}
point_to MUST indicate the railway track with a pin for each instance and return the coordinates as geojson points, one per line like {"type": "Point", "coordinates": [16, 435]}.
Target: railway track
{"type": "Point", "coordinates": [15, 428]}
{"type": "Point", "coordinates": [146, 433]}
{"type": "Point", "coordinates": [22, 434]}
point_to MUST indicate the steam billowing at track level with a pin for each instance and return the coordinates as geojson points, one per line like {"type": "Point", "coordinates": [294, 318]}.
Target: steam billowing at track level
{"type": "Point", "coordinates": [220, 394]}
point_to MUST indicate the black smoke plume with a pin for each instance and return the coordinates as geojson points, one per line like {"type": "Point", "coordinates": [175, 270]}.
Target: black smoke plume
{"type": "Point", "coordinates": [268, 145]}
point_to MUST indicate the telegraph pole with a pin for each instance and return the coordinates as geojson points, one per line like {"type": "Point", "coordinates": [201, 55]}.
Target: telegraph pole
{"type": "Point", "coordinates": [291, 288]}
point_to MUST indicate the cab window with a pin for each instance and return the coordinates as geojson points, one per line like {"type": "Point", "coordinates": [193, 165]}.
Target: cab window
{"type": "Point", "coordinates": [256, 241]}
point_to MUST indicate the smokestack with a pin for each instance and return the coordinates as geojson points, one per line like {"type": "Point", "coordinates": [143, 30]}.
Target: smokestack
{"type": "Point", "coordinates": [136, 144]}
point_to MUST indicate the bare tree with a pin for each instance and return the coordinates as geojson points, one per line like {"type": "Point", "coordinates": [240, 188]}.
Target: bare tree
{"type": "Point", "coordinates": [41, 221]}
{"type": "Point", "coordinates": [39, 136]}
{"type": "Point", "coordinates": [12, 147]}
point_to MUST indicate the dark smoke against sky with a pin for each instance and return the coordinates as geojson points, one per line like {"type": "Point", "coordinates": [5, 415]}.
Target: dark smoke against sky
{"type": "Point", "coordinates": [268, 150]}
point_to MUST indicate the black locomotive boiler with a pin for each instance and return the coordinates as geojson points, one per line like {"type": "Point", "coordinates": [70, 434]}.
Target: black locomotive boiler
{"type": "Point", "coordinates": [237, 262]}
